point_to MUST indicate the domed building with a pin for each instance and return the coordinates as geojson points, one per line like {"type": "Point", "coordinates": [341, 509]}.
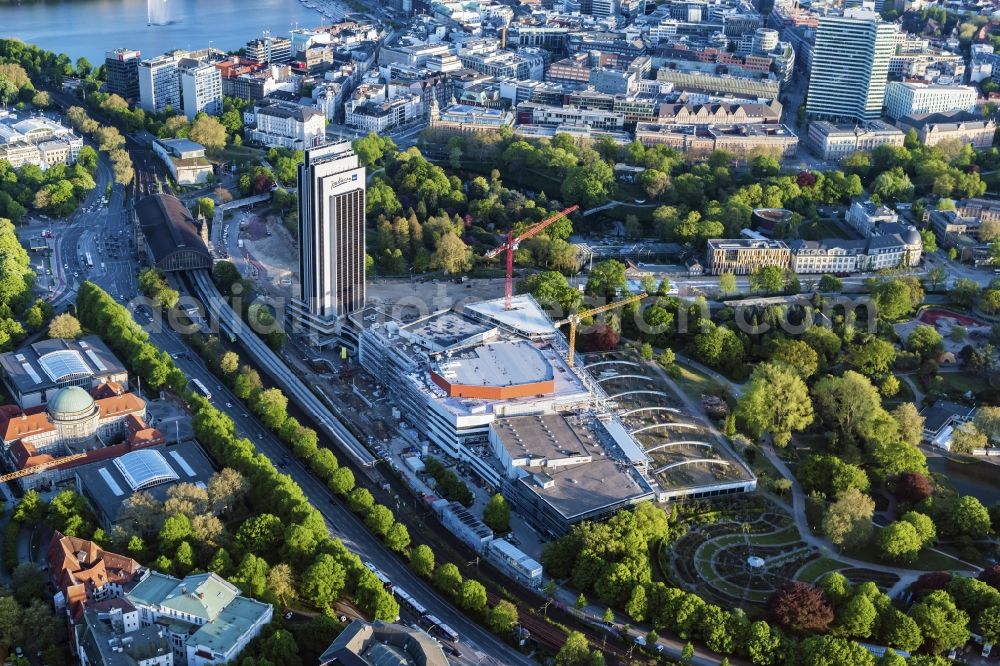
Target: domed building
{"type": "Point", "coordinates": [73, 420]}
{"type": "Point", "coordinates": [74, 414]}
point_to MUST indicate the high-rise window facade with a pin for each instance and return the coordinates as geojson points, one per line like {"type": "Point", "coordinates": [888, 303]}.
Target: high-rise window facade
{"type": "Point", "coordinates": [850, 66]}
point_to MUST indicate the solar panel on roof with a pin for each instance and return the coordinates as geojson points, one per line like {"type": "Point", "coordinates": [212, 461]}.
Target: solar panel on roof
{"type": "Point", "coordinates": [98, 363]}
{"type": "Point", "coordinates": [183, 463]}
{"type": "Point", "coordinates": [112, 484]}
{"type": "Point", "coordinates": [31, 373]}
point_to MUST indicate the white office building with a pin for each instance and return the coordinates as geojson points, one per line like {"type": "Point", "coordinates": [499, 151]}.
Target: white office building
{"type": "Point", "coordinates": [274, 123]}
{"type": "Point", "coordinates": [908, 99]}
{"type": "Point", "coordinates": [850, 66]}
{"type": "Point", "coordinates": [331, 241]}
{"type": "Point", "coordinates": [201, 87]}
{"type": "Point", "coordinates": [159, 84]}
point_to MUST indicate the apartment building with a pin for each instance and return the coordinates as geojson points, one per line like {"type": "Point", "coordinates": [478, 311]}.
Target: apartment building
{"type": "Point", "coordinates": [530, 113]}
{"type": "Point", "coordinates": [850, 65]}
{"type": "Point", "coordinates": [121, 68]}
{"type": "Point", "coordinates": [276, 123]}
{"type": "Point", "coordinates": [736, 138]}
{"type": "Point", "coordinates": [961, 126]}
{"type": "Point", "coordinates": [986, 210]}
{"type": "Point", "coordinates": [204, 616]}
{"type": "Point", "coordinates": [522, 64]}
{"type": "Point", "coordinates": [462, 118]}
{"type": "Point", "coordinates": [836, 141]}
{"type": "Point", "coordinates": [865, 216]}
{"type": "Point", "coordinates": [159, 84]}
{"type": "Point", "coordinates": [742, 256]}
{"type": "Point", "coordinates": [951, 226]}
{"type": "Point", "coordinates": [270, 50]}
{"type": "Point", "coordinates": [379, 116]}
{"type": "Point", "coordinates": [37, 140]}
{"type": "Point", "coordinates": [909, 99]}
{"type": "Point", "coordinates": [201, 87]}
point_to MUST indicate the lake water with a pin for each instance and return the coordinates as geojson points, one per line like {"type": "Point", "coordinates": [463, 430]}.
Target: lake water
{"type": "Point", "coordinates": [979, 479]}
{"type": "Point", "coordinates": [89, 28]}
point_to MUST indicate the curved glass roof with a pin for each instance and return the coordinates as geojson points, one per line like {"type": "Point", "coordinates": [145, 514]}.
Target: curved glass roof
{"type": "Point", "coordinates": [145, 469]}
{"type": "Point", "coordinates": [64, 364]}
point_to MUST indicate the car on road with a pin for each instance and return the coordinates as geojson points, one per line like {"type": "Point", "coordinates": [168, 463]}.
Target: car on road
{"type": "Point", "coordinates": [229, 405]}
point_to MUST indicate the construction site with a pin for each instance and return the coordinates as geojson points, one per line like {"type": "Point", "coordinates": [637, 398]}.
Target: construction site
{"type": "Point", "coordinates": [496, 387]}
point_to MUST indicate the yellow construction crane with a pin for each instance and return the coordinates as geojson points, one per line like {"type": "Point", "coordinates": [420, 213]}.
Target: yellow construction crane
{"type": "Point", "coordinates": [577, 317]}
{"type": "Point", "coordinates": [28, 471]}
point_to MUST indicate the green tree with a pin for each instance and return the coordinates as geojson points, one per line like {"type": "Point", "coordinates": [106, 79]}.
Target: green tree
{"type": "Point", "coordinates": [942, 624]}
{"type": "Point", "coordinates": [967, 437]}
{"type": "Point", "coordinates": [989, 624]}
{"type": "Point", "coordinates": [379, 519]}
{"type": "Point", "coordinates": [925, 341]}
{"type": "Point", "coordinates": [924, 526]}
{"type": "Point", "coordinates": [11, 622]}
{"type": "Point", "coordinates": [496, 514]}
{"type": "Point", "coordinates": [324, 581]}
{"type": "Point", "coordinates": [899, 541]}
{"type": "Point", "coordinates": [422, 560]}
{"type": "Point", "coordinates": [448, 578]}
{"type": "Point", "coordinates": [281, 584]}
{"type": "Point", "coordinates": [872, 357]}
{"type": "Point", "coordinates": [909, 422]}
{"type": "Point", "coordinates": [900, 631]}
{"type": "Point", "coordinates": [776, 401]}
{"type": "Point", "coordinates": [209, 132]}
{"type": "Point", "coordinates": [472, 596]}
{"type": "Point", "coordinates": [606, 279]}
{"type": "Point", "coordinates": [829, 283]}
{"type": "Point", "coordinates": [797, 356]}
{"type": "Point", "coordinates": [452, 255]}
{"type": "Point", "coordinates": [848, 521]}
{"type": "Point", "coordinates": [831, 651]}
{"type": "Point", "coordinates": [251, 575]}
{"type": "Point", "coordinates": [397, 537]}
{"type": "Point", "coordinates": [575, 651]}
{"type": "Point", "coordinates": [637, 605]}
{"type": "Point", "coordinates": [969, 517]}
{"type": "Point", "coordinates": [341, 481]}
{"type": "Point", "coordinates": [64, 326]}
{"type": "Point", "coordinates": [768, 279]}
{"type": "Point", "coordinates": [727, 283]}
{"type": "Point", "coordinates": [503, 617]}
{"type": "Point", "coordinates": [360, 500]}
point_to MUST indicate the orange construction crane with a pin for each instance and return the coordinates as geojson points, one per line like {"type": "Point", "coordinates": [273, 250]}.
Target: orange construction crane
{"type": "Point", "coordinates": [574, 319]}
{"type": "Point", "coordinates": [34, 469]}
{"type": "Point", "coordinates": [511, 244]}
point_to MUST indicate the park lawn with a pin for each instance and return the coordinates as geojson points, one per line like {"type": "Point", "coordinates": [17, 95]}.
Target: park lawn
{"type": "Point", "coordinates": [240, 154]}
{"type": "Point", "coordinates": [786, 535]}
{"type": "Point", "coordinates": [820, 229]}
{"type": "Point", "coordinates": [928, 560]}
{"type": "Point", "coordinates": [812, 571]}
{"type": "Point", "coordinates": [959, 383]}
{"type": "Point", "coordinates": [696, 383]}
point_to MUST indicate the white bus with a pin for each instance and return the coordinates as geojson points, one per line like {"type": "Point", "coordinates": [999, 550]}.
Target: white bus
{"type": "Point", "coordinates": [201, 388]}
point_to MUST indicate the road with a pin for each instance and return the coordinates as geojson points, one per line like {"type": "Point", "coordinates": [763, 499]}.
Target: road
{"type": "Point", "coordinates": [329, 424]}
{"type": "Point", "coordinates": [92, 229]}
{"type": "Point", "coordinates": [342, 523]}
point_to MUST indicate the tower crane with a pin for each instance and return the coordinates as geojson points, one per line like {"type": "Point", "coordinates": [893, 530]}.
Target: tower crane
{"type": "Point", "coordinates": [512, 243]}
{"type": "Point", "coordinates": [34, 469]}
{"type": "Point", "coordinates": [574, 319]}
